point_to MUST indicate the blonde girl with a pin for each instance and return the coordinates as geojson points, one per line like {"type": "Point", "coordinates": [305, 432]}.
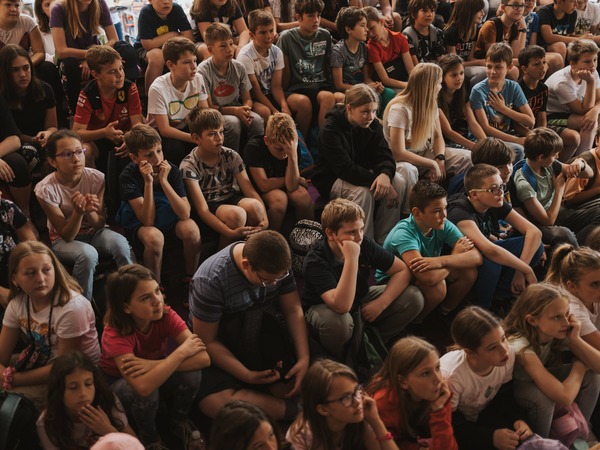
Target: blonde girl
{"type": "Point", "coordinates": [537, 327]}
{"type": "Point", "coordinates": [412, 397]}
{"type": "Point", "coordinates": [578, 271]}
{"type": "Point", "coordinates": [138, 326]}
{"type": "Point", "coordinates": [47, 310]}
{"type": "Point", "coordinates": [412, 127]}
{"type": "Point", "coordinates": [477, 371]}
{"type": "Point", "coordinates": [337, 413]}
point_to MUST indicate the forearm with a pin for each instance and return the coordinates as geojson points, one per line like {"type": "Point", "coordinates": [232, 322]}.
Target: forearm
{"type": "Point", "coordinates": [464, 260]}
{"type": "Point", "coordinates": [149, 382]}
{"type": "Point", "coordinates": [196, 362]}
{"type": "Point", "coordinates": [91, 135]}
{"type": "Point", "coordinates": [269, 184]}
{"type": "Point", "coordinates": [9, 145]}
{"type": "Point", "coordinates": [96, 220]}
{"type": "Point", "coordinates": [158, 41]}
{"type": "Point", "coordinates": [261, 98]}
{"type": "Point", "coordinates": [503, 257]}
{"type": "Point", "coordinates": [71, 227]}
{"type": "Point", "coordinates": [396, 284]}
{"type": "Point", "coordinates": [294, 318]}
{"type": "Point", "coordinates": [174, 133]}
{"type": "Point", "coordinates": [148, 210]}
{"type": "Point", "coordinates": [584, 196]}
{"type": "Point", "coordinates": [494, 132]}
{"type": "Point", "coordinates": [69, 52]}
{"type": "Point", "coordinates": [530, 247]}
{"type": "Point", "coordinates": [458, 138]}
{"type": "Point", "coordinates": [413, 158]}
{"type": "Point", "coordinates": [552, 212]}
{"type": "Point", "coordinates": [292, 175]}
{"type": "Point", "coordinates": [345, 291]}
{"type": "Point", "coordinates": [180, 207]}
{"type": "Point", "coordinates": [432, 277]}
{"type": "Point", "coordinates": [32, 377]}
{"type": "Point", "coordinates": [589, 99]}
{"type": "Point", "coordinates": [524, 119]}
{"type": "Point", "coordinates": [222, 358]}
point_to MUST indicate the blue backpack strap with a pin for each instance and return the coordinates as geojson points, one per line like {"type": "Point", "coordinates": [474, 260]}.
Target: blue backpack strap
{"type": "Point", "coordinates": [527, 173]}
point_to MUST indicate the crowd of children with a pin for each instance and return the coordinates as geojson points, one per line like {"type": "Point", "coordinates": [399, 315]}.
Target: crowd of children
{"type": "Point", "coordinates": [452, 163]}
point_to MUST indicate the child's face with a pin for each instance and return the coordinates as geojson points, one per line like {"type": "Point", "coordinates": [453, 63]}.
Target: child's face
{"type": "Point", "coordinates": [309, 22]}
{"type": "Point", "coordinates": [359, 32]}
{"type": "Point", "coordinates": [566, 6]}
{"type": "Point", "coordinates": [478, 17]}
{"type": "Point", "coordinates": [222, 50]}
{"type": "Point", "coordinates": [35, 276]}
{"type": "Point", "coordinates": [553, 322]}
{"type": "Point", "coordinates": [344, 401]}
{"type": "Point", "coordinates": [493, 349]}
{"type": "Point", "coordinates": [505, 171]}
{"type": "Point", "coordinates": [455, 77]}
{"type": "Point", "coordinates": [529, 6]}
{"type": "Point", "coordinates": [111, 76]}
{"type": "Point", "coordinates": [70, 156]}
{"type": "Point", "coordinates": [362, 115]}
{"type": "Point", "coordinates": [349, 231]}
{"type": "Point", "coordinates": [491, 192]}
{"type": "Point", "coordinates": [10, 11]}
{"type": "Point", "coordinates": [376, 30]}
{"type": "Point", "coordinates": [276, 148]}
{"type": "Point", "coordinates": [536, 68]}
{"type": "Point", "coordinates": [514, 9]}
{"type": "Point", "coordinates": [433, 215]}
{"type": "Point", "coordinates": [162, 7]}
{"type": "Point", "coordinates": [153, 156]}
{"type": "Point", "coordinates": [581, 4]}
{"type": "Point", "coordinates": [496, 71]}
{"type": "Point", "coordinates": [587, 288]}
{"type": "Point", "coordinates": [424, 17]}
{"type": "Point", "coordinates": [586, 61]}
{"type": "Point", "coordinates": [546, 161]}
{"type": "Point", "coordinates": [218, 3]}
{"type": "Point", "coordinates": [79, 391]}
{"type": "Point", "coordinates": [185, 67]}
{"type": "Point", "coordinates": [425, 381]}
{"type": "Point", "coordinates": [21, 73]}
{"type": "Point", "coordinates": [146, 303]}
{"type": "Point", "coordinates": [210, 140]}
{"type": "Point", "coordinates": [264, 35]}
{"type": "Point", "coordinates": [264, 437]}
{"type": "Point", "coordinates": [47, 6]}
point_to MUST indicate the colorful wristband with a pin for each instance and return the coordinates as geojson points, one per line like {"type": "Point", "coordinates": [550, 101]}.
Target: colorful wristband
{"type": "Point", "coordinates": [8, 378]}
{"type": "Point", "coordinates": [386, 437]}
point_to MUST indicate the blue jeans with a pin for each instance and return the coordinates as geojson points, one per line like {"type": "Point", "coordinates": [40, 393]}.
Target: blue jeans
{"type": "Point", "coordinates": [82, 253]}
{"type": "Point", "coordinates": [491, 274]}
{"type": "Point", "coordinates": [180, 392]}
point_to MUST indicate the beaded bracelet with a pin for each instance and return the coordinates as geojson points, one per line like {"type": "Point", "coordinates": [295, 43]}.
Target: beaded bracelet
{"type": "Point", "coordinates": [8, 378]}
{"type": "Point", "coordinates": [386, 437]}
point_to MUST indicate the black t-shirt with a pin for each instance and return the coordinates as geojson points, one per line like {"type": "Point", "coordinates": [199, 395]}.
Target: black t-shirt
{"type": "Point", "coordinates": [220, 17]}
{"type": "Point", "coordinates": [150, 25]}
{"type": "Point", "coordinates": [322, 270]}
{"type": "Point", "coordinates": [8, 128]}
{"type": "Point", "coordinates": [537, 98]}
{"type": "Point", "coordinates": [256, 154]}
{"type": "Point", "coordinates": [31, 119]}
{"type": "Point", "coordinates": [562, 27]}
{"type": "Point", "coordinates": [460, 208]}
{"type": "Point", "coordinates": [463, 49]}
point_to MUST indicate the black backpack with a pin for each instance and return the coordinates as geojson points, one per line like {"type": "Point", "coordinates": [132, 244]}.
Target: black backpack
{"type": "Point", "coordinates": [18, 416]}
{"type": "Point", "coordinates": [305, 235]}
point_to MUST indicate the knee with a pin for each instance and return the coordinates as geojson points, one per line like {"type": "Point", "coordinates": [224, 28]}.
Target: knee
{"type": "Point", "coordinates": [233, 217]}
{"type": "Point", "coordinates": [277, 201]}
{"type": "Point", "coordinates": [153, 239]}
{"type": "Point", "coordinates": [155, 58]}
{"type": "Point", "coordinates": [326, 99]}
{"type": "Point", "coordinates": [88, 256]}
{"type": "Point", "coordinates": [414, 299]}
{"type": "Point", "coordinates": [190, 233]}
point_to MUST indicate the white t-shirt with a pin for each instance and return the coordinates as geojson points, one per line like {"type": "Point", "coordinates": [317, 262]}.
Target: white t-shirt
{"type": "Point", "coordinates": [472, 392]}
{"type": "Point", "coordinates": [49, 46]}
{"type": "Point", "coordinates": [562, 90]}
{"type": "Point", "coordinates": [400, 116]}
{"type": "Point", "coordinates": [74, 319]}
{"type": "Point", "coordinates": [589, 320]}
{"type": "Point", "coordinates": [83, 437]}
{"type": "Point", "coordinates": [261, 66]}
{"type": "Point", "coordinates": [164, 99]}
{"type": "Point", "coordinates": [59, 195]}
{"type": "Point", "coordinates": [24, 26]}
{"type": "Point", "coordinates": [588, 18]}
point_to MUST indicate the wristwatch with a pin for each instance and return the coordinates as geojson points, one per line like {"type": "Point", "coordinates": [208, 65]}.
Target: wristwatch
{"type": "Point", "coordinates": [441, 157]}
{"type": "Point", "coordinates": [523, 30]}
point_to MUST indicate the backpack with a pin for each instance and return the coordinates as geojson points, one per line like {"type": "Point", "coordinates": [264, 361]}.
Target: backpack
{"type": "Point", "coordinates": [18, 416]}
{"type": "Point", "coordinates": [305, 235]}
{"type": "Point", "coordinates": [365, 352]}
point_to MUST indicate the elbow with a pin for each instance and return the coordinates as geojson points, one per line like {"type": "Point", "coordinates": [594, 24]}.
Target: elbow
{"type": "Point", "coordinates": [478, 258]}
{"type": "Point", "coordinates": [426, 279]}
{"type": "Point", "coordinates": [143, 390]}
{"type": "Point", "coordinates": [535, 233]}
{"type": "Point", "coordinates": [530, 122]}
{"type": "Point", "coordinates": [340, 309]}
{"type": "Point", "coordinates": [61, 53]}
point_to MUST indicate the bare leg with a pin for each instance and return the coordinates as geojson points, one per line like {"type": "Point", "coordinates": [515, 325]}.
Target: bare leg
{"type": "Point", "coordinates": [153, 241]}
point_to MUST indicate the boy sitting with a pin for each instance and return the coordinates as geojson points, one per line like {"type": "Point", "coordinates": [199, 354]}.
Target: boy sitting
{"type": "Point", "coordinates": [307, 51]}
{"type": "Point", "coordinates": [419, 240]}
{"type": "Point", "coordinates": [496, 101]}
{"type": "Point", "coordinates": [158, 22]}
{"type": "Point", "coordinates": [540, 185]}
{"type": "Point", "coordinates": [425, 40]}
{"type": "Point", "coordinates": [336, 274]}
{"type": "Point", "coordinates": [272, 161]}
{"type": "Point", "coordinates": [581, 190]}
{"type": "Point", "coordinates": [532, 60]}
{"type": "Point", "coordinates": [155, 203]}
{"type": "Point", "coordinates": [214, 175]}
{"type": "Point", "coordinates": [507, 263]}
{"type": "Point", "coordinates": [574, 94]}
{"type": "Point", "coordinates": [174, 95]}
{"type": "Point", "coordinates": [264, 65]}
{"type": "Point", "coordinates": [229, 86]}
{"type": "Point", "coordinates": [557, 26]}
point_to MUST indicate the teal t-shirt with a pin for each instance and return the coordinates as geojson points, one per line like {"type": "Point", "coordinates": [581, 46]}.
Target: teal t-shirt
{"type": "Point", "coordinates": [407, 235]}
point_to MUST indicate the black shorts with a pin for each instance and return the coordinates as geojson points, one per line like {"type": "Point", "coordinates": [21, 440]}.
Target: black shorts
{"type": "Point", "coordinates": [233, 200]}
{"type": "Point", "coordinates": [312, 94]}
{"type": "Point", "coordinates": [134, 240]}
{"type": "Point", "coordinates": [273, 101]}
{"type": "Point", "coordinates": [558, 121]}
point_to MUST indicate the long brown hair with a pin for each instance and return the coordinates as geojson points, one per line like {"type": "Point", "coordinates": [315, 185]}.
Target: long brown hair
{"type": "Point", "coordinates": [74, 25]}
{"type": "Point", "coordinates": [458, 104]}
{"type": "Point", "coordinates": [9, 90]}
{"type": "Point", "coordinates": [462, 18]}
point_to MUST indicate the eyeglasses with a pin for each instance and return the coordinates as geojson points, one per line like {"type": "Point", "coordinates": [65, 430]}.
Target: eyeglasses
{"type": "Point", "coordinates": [68, 155]}
{"type": "Point", "coordinates": [347, 400]}
{"type": "Point", "coordinates": [516, 6]}
{"type": "Point", "coordinates": [496, 190]}
{"type": "Point", "coordinates": [266, 283]}
{"type": "Point", "coordinates": [189, 103]}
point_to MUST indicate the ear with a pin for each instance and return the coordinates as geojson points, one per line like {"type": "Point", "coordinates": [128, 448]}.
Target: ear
{"type": "Point", "coordinates": [416, 212]}
{"type": "Point", "coordinates": [170, 65]}
{"type": "Point", "coordinates": [251, 34]}
{"type": "Point", "coordinates": [210, 49]}
{"type": "Point", "coordinates": [133, 157]}
{"type": "Point", "coordinates": [246, 264]}
{"type": "Point", "coordinates": [322, 409]}
{"type": "Point", "coordinates": [195, 138]}
{"type": "Point", "coordinates": [266, 140]}
{"type": "Point", "coordinates": [571, 286]}
{"type": "Point", "coordinates": [330, 234]}
{"type": "Point", "coordinates": [531, 320]}
{"type": "Point", "coordinates": [94, 74]}
{"type": "Point", "coordinates": [126, 309]}
{"type": "Point", "coordinates": [298, 17]}
{"type": "Point", "coordinates": [402, 382]}
{"type": "Point", "coordinates": [52, 161]}
{"type": "Point", "coordinates": [469, 352]}
{"type": "Point", "coordinates": [510, 66]}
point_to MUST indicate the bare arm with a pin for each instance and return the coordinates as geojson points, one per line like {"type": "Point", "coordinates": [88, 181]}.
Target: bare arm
{"type": "Point", "coordinates": [60, 46]}
{"type": "Point", "coordinates": [167, 131]}
{"type": "Point", "coordinates": [37, 46]}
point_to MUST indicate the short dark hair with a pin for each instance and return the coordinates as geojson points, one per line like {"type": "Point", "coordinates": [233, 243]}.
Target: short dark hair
{"type": "Point", "coordinates": [200, 120]}
{"type": "Point", "coordinates": [259, 18]}
{"type": "Point", "coordinates": [475, 175]}
{"type": "Point", "coordinates": [100, 55]}
{"type": "Point", "coordinates": [415, 5]}
{"type": "Point", "coordinates": [542, 142]}
{"type": "Point", "coordinates": [492, 151]}
{"type": "Point", "coordinates": [141, 137]}
{"type": "Point", "coordinates": [500, 52]}
{"type": "Point", "coordinates": [528, 53]}
{"type": "Point", "coordinates": [348, 17]}
{"type": "Point", "coordinates": [269, 243]}
{"type": "Point", "coordinates": [175, 47]}
{"type": "Point", "coordinates": [309, 7]}
{"type": "Point", "coordinates": [424, 192]}
{"type": "Point", "coordinates": [578, 47]}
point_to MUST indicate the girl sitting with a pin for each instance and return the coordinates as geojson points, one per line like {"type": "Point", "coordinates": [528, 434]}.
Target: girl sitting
{"type": "Point", "coordinates": [81, 408]}
{"type": "Point", "coordinates": [337, 413]}
{"type": "Point", "coordinates": [46, 309]}
{"type": "Point", "coordinates": [135, 359]}
{"type": "Point", "coordinates": [537, 327]}
{"type": "Point", "coordinates": [411, 124]}
{"type": "Point", "coordinates": [456, 116]}
{"type": "Point", "coordinates": [413, 398]}
{"type": "Point", "coordinates": [41, 9]}
{"type": "Point", "coordinates": [73, 199]}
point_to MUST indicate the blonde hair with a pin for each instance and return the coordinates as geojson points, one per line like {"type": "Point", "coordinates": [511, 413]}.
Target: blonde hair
{"type": "Point", "coordinates": [281, 128]}
{"type": "Point", "coordinates": [420, 96]}
{"type": "Point", "coordinates": [570, 264]}
{"type": "Point", "coordinates": [74, 25]}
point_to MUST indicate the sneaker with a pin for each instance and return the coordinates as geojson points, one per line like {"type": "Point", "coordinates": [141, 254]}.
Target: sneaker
{"type": "Point", "coordinates": [158, 445]}
{"type": "Point", "coordinates": [183, 431]}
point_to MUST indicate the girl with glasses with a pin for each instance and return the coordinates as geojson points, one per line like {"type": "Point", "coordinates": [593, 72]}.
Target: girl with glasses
{"type": "Point", "coordinates": [73, 199]}
{"type": "Point", "coordinates": [337, 413]}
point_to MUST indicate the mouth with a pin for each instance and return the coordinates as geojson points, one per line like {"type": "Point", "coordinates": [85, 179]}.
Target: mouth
{"type": "Point", "coordinates": [504, 360]}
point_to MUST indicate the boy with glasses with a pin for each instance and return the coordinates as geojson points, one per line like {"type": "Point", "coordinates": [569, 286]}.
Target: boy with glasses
{"type": "Point", "coordinates": [507, 263]}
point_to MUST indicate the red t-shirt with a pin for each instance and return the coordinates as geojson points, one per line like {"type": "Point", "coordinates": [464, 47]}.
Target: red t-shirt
{"type": "Point", "coordinates": [111, 110]}
{"type": "Point", "coordinates": [397, 46]}
{"type": "Point", "coordinates": [149, 345]}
